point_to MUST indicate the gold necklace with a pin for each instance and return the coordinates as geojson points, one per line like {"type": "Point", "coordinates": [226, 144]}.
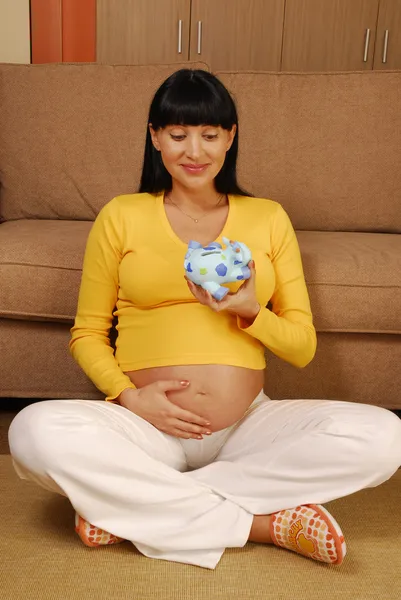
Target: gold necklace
{"type": "Point", "coordinates": [187, 215]}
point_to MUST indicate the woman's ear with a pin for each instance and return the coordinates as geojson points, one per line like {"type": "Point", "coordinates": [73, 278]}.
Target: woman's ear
{"type": "Point", "coordinates": [153, 135]}
{"type": "Point", "coordinates": [231, 136]}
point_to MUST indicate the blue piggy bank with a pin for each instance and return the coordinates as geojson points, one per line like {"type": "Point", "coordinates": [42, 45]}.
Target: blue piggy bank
{"type": "Point", "coordinates": [211, 266]}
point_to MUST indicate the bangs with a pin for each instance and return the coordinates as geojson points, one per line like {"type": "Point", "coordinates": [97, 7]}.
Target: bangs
{"type": "Point", "coordinates": [194, 101]}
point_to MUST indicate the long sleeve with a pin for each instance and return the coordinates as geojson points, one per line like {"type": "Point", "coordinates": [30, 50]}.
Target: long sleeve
{"type": "Point", "coordinates": [90, 344]}
{"type": "Point", "coordinates": [287, 330]}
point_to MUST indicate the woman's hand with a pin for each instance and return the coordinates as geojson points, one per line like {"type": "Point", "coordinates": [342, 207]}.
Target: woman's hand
{"type": "Point", "coordinates": [151, 403]}
{"type": "Point", "coordinates": [243, 303]}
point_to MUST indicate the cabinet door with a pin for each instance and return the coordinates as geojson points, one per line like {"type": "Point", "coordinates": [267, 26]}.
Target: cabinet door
{"type": "Point", "coordinates": [388, 44]}
{"type": "Point", "coordinates": [142, 31]}
{"type": "Point", "coordinates": [237, 34]}
{"type": "Point", "coordinates": [329, 35]}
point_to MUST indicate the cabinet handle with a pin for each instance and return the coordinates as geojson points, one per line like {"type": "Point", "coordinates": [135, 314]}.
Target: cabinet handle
{"type": "Point", "coordinates": [365, 56]}
{"type": "Point", "coordinates": [385, 47]}
{"type": "Point", "coordinates": [180, 37]}
{"type": "Point", "coordinates": [199, 37]}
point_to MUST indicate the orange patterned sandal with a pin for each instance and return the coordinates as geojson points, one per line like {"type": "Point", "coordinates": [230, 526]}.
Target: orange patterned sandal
{"type": "Point", "coordinates": [93, 536]}
{"type": "Point", "coordinates": [309, 530]}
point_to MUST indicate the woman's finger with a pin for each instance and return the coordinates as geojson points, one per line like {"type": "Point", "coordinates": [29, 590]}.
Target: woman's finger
{"type": "Point", "coordinates": [192, 287]}
{"type": "Point", "coordinates": [252, 268]}
{"type": "Point", "coordinates": [178, 433]}
{"type": "Point", "coordinates": [187, 417]}
{"type": "Point", "coordinates": [201, 294]}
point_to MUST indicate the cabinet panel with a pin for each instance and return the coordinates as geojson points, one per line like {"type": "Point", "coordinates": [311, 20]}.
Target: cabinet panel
{"type": "Point", "coordinates": [46, 31]}
{"type": "Point", "coordinates": [390, 21]}
{"type": "Point", "coordinates": [329, 35]}
{"type": "Point", "coordinates": [79, 30]}
{"type": "Point", "coordinates": [237, 34]}
{"type": "Point", "coordinates": [142, 31]}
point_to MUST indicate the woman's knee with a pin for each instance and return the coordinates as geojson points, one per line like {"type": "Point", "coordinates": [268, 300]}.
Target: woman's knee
{"type": "Point", "coordinates": [37, 430]}
{"type": "Point", "coordinates": [387, 443]}
{"type": "Point", "coordinates": [377, 433]}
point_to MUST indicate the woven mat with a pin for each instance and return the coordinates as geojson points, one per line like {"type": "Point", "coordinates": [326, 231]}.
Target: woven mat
{"type": "Point", "coordinates": [43, 559]}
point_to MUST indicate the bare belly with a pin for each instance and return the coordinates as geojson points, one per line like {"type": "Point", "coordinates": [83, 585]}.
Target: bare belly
{"type": "Point", "coordinates": [219, 393]}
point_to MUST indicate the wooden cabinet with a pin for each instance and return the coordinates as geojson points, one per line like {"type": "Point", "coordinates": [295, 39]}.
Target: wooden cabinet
{"type": "Point", "coordinates": [142, 31]}
{"type": "Point", "coordinates": [227, 34]}
{"type": "Point", "coordinates": [270, 35]}
{"type": "Point", "coordinates": [388, 37]}
{"type": "Point", "coordinates": [237, 34]}
{"type": "Point", "coordinates": [329, 35]}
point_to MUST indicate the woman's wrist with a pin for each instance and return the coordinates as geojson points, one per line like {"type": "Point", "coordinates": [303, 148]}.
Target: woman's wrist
{"type": "Point", "coordinates": [249, 315]}
{"type": "Point", "coordinates": [126, 396]}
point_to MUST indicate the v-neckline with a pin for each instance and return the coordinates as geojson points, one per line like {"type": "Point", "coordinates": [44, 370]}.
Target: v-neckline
{"type": "Point", "coordinates": [172, 234]}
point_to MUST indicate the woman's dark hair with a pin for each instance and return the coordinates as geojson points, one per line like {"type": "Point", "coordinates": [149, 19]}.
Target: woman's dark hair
{"type": "Point", "coordinates": [191, 97]}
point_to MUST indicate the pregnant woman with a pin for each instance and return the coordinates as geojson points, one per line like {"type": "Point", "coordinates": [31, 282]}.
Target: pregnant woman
{"type": "Point", "coordinates": [187, 456]}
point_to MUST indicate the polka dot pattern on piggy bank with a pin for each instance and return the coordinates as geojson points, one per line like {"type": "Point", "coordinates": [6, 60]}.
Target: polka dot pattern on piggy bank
{"type": "Point", "coordinates": [211, 266]}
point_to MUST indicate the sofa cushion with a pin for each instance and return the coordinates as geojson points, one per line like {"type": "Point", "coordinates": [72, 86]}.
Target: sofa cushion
{"type": "Point", "coordinates": [325, 145]}
{"type": "Point", "coordinates": [40, 268]}
{"type": "Point", "coordinates": [72, 136]}
{"type": "Point", "coordinates": [354, 279]}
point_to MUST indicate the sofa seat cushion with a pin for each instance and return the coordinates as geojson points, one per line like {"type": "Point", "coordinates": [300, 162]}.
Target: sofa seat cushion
{"type": "Point", "coordinates": [40, 268]}
{"type": "Point", "coordinates": [354, 279]}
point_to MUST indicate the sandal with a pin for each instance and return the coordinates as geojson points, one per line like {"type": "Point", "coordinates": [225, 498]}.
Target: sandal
{"type": "Point", "coordinates": [92, 536]}
{"type": "Point", "coordinates": [309, 530]}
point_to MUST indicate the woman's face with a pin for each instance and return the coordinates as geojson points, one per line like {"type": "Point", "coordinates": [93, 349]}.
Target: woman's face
{"type": "Point", "coordinates": [193, 155]}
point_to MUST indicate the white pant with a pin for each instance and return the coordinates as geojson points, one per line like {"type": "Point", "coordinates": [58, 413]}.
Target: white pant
{"type": "Point", "coordinates": [188, 500]}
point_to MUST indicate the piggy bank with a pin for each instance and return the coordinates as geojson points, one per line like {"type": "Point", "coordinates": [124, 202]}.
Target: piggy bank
{"type": "Point", "coordinates": [211, 266]}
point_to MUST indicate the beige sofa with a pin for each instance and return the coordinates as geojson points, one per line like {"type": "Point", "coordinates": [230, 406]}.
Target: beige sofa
{"type": "Point", "coordinates": [326, 146]}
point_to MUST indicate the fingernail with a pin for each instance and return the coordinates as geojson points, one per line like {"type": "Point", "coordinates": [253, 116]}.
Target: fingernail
{"type": "Point", "coordinates": [184, 382]}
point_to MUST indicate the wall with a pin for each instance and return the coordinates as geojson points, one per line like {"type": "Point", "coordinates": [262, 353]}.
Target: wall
{"type": "Point", "coordinates": [15, 46]}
